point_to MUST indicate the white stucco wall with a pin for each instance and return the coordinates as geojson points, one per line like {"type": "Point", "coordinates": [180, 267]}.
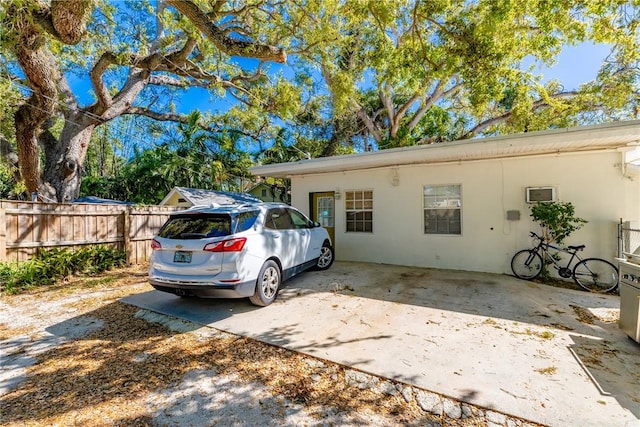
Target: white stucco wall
{"type": "Point", "coordinates": [593, 182]}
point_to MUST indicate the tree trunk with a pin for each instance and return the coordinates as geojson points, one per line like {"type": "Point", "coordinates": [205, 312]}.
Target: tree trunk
{"type": "Point", "coordinates": [36, 62]}
{"type": "Point", "coordinates": [27, 143]}
{"type": "Point", "coordinates": [64, 159]}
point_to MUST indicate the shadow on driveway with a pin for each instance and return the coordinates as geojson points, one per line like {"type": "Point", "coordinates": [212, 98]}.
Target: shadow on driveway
{"type": "Point", "coordinates": [550, 355]}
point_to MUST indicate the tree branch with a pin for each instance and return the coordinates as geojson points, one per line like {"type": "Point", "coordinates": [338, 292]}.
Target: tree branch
{"type": "Point", "coordinates": [250, 78]}
{"type": "Point", "coordinates": [369, 124]}
{"type": "Point", "coordinates": [504, 117]}
{"type": "Point", "coordinates": [435, 96]}
{"type": "Point", "coordinates": [180, 118]}
{"type": "Point", "coordinates": [166, 117]}
{"type": "Point", "coordinates": [135, 83]}
{"type": "Point", "coordinates": [65, 20]}
{"type": "Point", "coordinates": [222, 41]}
{"type": "Point", "coordinates": [164, 80]}
{"type": "Point", "coordinates": [387, 101]}
{"type": "Point", "coordinates": [106, 59]}
{"type": "Point", "coordinates": [155, 43]}
{"type": "Point", "coordinates": [239, 98]}
{"type": "Point", "coordinates": [405, 107]}
{"type": "Point", "coordinates": [173, 62]}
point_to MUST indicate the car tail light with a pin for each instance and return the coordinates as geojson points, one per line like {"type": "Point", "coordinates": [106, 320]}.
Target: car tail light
{"type": "Point", "coordinates": [231, 245]}
{"type": "Point", "coordinates": [155, 245]}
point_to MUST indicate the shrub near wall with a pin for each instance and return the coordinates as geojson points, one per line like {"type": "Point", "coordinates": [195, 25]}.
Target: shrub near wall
{"type": "Point", "coordinates": [558, 220]}
{"type": "Point", "coordinates": [49, 266]}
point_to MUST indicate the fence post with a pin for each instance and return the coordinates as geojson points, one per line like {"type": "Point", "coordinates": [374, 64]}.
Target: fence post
{"type": "Point", "coordinates": [127, 235]}
{"type": "Point", "coordinates": [3, 235]}
{"type": "Point", "coordinates": [620, 244]}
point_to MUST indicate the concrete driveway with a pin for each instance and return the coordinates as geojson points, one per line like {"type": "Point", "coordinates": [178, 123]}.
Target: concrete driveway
{"type": "Point", "coordinates": [550, 355]}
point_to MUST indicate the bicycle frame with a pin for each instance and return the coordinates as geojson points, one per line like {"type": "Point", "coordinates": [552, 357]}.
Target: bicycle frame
{"type": "Point", "coordinates": [543, 248]}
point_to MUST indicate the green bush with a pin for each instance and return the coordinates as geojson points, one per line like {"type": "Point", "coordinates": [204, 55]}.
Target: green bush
{"type": "Point", "coordinates": [557, 219]}
{"type": "Point", "coordinates": [51, 265]}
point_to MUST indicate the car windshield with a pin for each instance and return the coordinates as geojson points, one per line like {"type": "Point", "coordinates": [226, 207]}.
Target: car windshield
{"type": "Point", "coordinates": [196, 226]}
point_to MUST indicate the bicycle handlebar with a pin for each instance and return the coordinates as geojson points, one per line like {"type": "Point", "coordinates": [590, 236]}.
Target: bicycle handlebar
{"type": "Point", "coordinates": [533, 234]}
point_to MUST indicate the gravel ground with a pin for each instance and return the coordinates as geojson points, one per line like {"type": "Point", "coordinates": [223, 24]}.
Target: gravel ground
{"type": "Point", "coordinates": [73, 354]}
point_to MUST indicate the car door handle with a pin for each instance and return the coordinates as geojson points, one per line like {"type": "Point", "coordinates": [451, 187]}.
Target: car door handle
{"type": "Point", "coordinates": [275, 236]}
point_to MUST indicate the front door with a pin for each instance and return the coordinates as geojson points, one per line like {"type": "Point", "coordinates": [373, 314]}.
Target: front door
{"type": "Point", "coordinates": [324, 212]}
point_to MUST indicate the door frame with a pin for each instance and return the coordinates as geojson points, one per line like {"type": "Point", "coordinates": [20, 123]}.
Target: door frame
{"type": "Point", "coordinates": [313, 211]}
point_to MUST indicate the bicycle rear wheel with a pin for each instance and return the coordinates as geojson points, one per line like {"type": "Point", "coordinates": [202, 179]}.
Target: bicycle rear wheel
{"type": "Point", "coordinates": [526, 264]}
{"type": "Point", "coordinates": [596, 275]}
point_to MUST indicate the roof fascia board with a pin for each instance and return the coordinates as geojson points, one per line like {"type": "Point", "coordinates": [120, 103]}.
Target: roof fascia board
{"type": "Point", "coordinates": [607, 136]}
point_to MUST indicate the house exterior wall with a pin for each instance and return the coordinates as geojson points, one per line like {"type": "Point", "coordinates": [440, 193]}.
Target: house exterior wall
{"type": "Point", "coordinates": [592, 182]}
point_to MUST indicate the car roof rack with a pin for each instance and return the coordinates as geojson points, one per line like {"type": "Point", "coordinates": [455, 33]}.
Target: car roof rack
{"type": "Point", "coordinates": [214, 205]}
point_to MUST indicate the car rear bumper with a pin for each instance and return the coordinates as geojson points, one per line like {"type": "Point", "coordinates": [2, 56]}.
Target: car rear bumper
{"type": "Point", "coordinates": [205, 290]}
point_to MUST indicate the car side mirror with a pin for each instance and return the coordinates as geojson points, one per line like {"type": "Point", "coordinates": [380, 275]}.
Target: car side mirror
{"type": "Point", "coordinates": [316, 224]}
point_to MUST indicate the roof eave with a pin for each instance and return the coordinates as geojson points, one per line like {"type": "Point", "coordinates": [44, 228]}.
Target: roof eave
{"type": "Point", "coordinates": [599, 137]}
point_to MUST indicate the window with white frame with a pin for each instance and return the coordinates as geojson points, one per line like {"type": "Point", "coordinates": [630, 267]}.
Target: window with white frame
{"type": "Point", "coordinates": [359, 211]}
{"type": "Point", "coordinates": [442, 209]}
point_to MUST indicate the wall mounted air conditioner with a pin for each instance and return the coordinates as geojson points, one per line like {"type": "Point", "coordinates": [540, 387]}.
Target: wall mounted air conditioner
{"type": "Point", "coordinates": [541, 194]}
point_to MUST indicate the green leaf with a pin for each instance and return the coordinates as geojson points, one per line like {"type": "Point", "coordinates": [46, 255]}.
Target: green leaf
{"type": "Point", "coordinates": [557, 219]}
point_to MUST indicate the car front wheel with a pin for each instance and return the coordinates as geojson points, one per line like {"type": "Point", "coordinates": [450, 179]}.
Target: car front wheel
{"type": "Point", "coordinates": [267, 285]}
{"type": "Point", "coordinates": [326, 257]}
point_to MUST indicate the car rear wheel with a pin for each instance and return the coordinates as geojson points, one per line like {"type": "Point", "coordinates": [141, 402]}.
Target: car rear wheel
{"type": "Point", "coordinates": [267, 285]}
{"type": "Point", "coordinates": [326, 257]}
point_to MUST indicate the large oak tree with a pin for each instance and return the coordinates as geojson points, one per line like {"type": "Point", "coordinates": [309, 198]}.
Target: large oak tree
{"type": "Point", "coordinates": [170, 43]}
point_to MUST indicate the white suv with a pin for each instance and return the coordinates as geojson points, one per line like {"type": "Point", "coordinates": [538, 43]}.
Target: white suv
{"type": "Point", "coordinates": [236, 251]}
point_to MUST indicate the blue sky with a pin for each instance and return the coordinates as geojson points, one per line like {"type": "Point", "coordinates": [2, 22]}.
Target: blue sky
{"type": "Point", "coordinates": [576, 64]}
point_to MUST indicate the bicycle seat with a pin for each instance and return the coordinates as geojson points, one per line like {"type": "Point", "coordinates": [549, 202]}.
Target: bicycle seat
{"type": "Point", "coordinates": [577, 248]}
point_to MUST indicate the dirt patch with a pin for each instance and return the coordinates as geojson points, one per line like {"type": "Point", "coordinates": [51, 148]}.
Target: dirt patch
{"type": "Point", "coordinates": [558, 283]}
{"type": "Point", "coordinates": [583, 314]}
{"type": "Point", "coordinates": [413, 274]}
{"type": "Point", "coordinates": [112, 371]}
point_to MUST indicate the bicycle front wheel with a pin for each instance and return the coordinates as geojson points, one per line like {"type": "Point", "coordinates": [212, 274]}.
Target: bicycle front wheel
{"type": "Point", "coordinates": [596, 275]}
{"type": "Point", "coordinates": [526, 264]}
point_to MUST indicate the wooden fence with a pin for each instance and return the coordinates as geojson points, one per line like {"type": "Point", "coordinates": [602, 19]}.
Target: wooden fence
{"type": "Point", "coordinates": [27, 226]}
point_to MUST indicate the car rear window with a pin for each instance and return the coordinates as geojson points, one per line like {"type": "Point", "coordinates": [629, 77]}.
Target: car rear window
{"type": "Point", "coordinates": [196, 226]}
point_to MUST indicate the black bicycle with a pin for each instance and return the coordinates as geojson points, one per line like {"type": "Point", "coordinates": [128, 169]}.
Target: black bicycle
{"type": "Point", "coordinates": [591, 274]}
